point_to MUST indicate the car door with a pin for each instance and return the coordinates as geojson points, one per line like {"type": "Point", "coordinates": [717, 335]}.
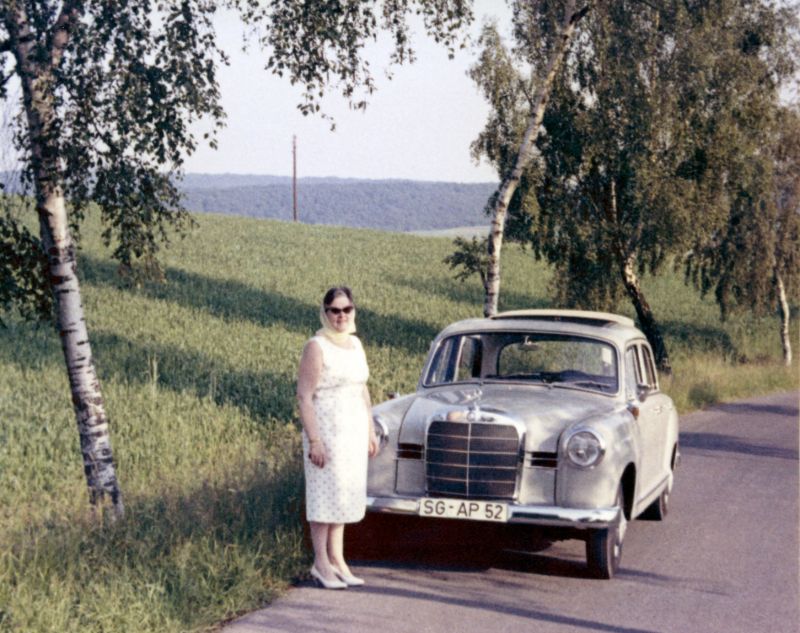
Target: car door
{"type": "Point", "coordinates": [654, 407]}
{"type": "Point", "coordinates": [634, 385]}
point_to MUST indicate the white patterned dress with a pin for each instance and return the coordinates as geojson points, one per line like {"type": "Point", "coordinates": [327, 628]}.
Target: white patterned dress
{"type": "Point", "coordinates": [337, 492]}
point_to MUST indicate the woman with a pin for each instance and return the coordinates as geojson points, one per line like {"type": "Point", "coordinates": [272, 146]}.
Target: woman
{"type": "Point", "coordinates": [338, 435]}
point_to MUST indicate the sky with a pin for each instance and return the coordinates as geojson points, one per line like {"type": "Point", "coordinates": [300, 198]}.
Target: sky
{"type": "Point", "coordinates": [418, 125]}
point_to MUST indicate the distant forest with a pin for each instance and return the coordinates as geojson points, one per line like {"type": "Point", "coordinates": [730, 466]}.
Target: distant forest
{"type": "Point", "coordinates": [391, 205]}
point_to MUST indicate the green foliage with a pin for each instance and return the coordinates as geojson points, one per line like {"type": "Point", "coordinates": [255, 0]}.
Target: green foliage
{"type": "Point", "coordinates": [508, 92]}
{"type": "Point", "coordinates": [21, 252]}
{"type": "Point", "coordinates": [744, 228]}
{"type": "Point", "coordinates": [787, 184]}
{"type": "Point", "coordinates": [469, 258]}
{"type": "Point", "coordinates": [313, 41]}
{"type": "Point", "coordinates": [759, 240]}
{"type": "Point", "coordinates": [124, 88]}
{"type": "Point", "coordinates": [496, 75]}
{"type": "Point", "coordinates": [198, 377]}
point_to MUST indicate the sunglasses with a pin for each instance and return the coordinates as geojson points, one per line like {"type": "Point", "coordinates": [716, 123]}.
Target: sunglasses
{"type": "Point", "coordinates": [338, 311]}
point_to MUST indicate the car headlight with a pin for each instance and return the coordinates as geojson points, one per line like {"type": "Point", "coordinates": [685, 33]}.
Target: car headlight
{"type": "Point", "coordinates": [585, 449]}
{"type": "Point", "coordinates": [381, 430]}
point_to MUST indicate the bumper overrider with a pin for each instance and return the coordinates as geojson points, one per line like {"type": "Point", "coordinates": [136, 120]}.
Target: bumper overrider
{"type": "Point", "coordinates": [549, 516]}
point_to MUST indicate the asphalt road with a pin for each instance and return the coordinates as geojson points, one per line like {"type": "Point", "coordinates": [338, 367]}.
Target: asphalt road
{"type": "Point", "coordinates": [725, 559]}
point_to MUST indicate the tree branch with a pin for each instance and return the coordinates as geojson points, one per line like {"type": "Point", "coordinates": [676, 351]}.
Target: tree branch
{"type": "Point", "coordinates": [70, 12]}
{"type": "Point", "coordinates": [579, 14]}
{"type": "Point", "coordinates": [527, 91]}
{"type": "Point", "coordinates": [4, 79]}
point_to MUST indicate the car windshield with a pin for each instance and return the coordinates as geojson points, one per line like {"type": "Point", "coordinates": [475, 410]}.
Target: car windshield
{"type": "Point", "coordinates": [553, 359]}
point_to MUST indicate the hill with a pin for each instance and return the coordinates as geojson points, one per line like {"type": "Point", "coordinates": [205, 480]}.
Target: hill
{"type": "Point", "coordinates": [389, 205]}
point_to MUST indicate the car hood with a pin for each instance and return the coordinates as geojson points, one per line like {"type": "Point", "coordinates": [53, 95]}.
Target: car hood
{"type": "Point", "coordinates": [543, 411]}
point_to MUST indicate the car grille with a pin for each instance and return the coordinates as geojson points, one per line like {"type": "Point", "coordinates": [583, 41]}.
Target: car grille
{"type": "Point", "coordinates": [475, 460]}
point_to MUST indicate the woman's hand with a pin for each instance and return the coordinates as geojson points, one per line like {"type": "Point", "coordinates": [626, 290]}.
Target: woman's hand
{"type": "Point", "coordinates": [317, 453]}
{"type": "Point", "coordinates": [374, 446]}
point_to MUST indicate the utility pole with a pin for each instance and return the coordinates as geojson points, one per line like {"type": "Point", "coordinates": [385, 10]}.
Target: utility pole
{"type": "Point", "coordinates": [294, 177]}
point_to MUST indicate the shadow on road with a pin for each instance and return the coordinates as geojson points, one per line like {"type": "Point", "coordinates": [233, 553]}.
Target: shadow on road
{"type": "Point", "coordinates": [749, 408]}
{"type": "Point", "coordinates": [412, 542]}
{"type": "Point", "coordinates": [700, 441]}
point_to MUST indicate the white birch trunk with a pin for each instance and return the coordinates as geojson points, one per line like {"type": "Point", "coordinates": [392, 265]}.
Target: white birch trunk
{"type": "Point", "coordinates": [510, 183]}
{"type": "Point", "coordinates": [783, 302]}
{"type": "Point", "coordinates": [87, 400]}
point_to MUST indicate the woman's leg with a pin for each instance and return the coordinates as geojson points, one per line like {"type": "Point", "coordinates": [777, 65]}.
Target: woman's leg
{"type": "Point", "coordinates": [336, 548]}
{"type": "Point", "coordinates": [320, 536]}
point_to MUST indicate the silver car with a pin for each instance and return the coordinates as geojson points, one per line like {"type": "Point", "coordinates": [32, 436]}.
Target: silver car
{"type": "Point", "coordinates": [541, 417]}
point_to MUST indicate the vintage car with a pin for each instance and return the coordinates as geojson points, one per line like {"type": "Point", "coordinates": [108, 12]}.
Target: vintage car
{"type": "Point", "coordinates": [549, 418]}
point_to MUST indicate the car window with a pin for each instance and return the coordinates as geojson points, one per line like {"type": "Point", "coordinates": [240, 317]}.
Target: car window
{"type": "Point", "coordinates": [469, 362]}
{"type": "Point", "coordinates": [632, 373]}
{"type": "Point", "coordinates": [443, 366]}
{"type": "Point", "coordinates": [649, 368]}
{"type": "Point", "coordinates": [557, 359]}
{"type": "Point", "coordinates": [532, 356]}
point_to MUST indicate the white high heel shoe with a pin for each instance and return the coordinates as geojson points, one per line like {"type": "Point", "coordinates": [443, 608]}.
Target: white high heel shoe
{"type": "Point", "coordinates": [349, 579]}
{"type": "Point", "coordinates": [327, 584]}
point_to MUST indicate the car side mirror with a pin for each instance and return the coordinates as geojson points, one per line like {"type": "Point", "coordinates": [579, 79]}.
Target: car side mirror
{"type": "Point", "coordinates": [642, 391]}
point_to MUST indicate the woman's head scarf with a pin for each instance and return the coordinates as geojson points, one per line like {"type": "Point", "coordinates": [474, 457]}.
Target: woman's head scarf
{"type": "Point", "coordinates": [331, 332]}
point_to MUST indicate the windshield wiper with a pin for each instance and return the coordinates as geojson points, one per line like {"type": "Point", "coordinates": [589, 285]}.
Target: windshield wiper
{"type": "Point", "coordinates": [602, 386]}
{"type": "Point", "coordinates": [537, 378]}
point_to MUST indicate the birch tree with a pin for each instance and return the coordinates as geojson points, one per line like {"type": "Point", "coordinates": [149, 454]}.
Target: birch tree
{"type": "Point", "coordinates": [109, 92]}
{"type": "Point", "coordinates": [555, 36]}
{"type": "Point", "coordinates": [751, 260]}
{"type": "Point", "coordinates": [747, 249]}
{"type": "Point", "coordinates": [787, 226]}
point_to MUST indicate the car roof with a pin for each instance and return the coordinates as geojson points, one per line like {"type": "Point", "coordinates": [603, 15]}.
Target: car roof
{"type": "Point", "coordinates": [606, 325]}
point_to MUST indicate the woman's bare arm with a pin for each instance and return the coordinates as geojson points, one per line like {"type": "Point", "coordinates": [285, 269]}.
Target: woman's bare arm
{"type": "Point", "coordinates": [307, 379]}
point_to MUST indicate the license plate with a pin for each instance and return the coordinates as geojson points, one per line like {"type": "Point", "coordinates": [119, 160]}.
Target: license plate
{"type": "Point", "coordinates": [464, 509]}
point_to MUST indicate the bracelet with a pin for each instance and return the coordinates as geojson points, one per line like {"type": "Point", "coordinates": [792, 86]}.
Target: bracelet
{"type": "Point", "coordinates": [312, 440]}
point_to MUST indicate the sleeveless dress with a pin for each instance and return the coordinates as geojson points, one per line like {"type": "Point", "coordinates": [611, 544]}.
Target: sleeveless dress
{"type": "Point", "coordinates": [337, 492]}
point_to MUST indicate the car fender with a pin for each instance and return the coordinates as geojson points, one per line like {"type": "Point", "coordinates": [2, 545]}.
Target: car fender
{"type": "Point", "coordinates": [381, 470]}
{"type": "Point", "coordinates": [596, 486]}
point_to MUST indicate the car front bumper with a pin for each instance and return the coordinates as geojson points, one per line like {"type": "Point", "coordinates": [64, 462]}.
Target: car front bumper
{"type": "Point", "coordinates": [550, 516]}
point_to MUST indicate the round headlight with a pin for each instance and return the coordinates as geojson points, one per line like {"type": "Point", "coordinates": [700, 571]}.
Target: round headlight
{"type": "Point", "coordinates": [585, 449]}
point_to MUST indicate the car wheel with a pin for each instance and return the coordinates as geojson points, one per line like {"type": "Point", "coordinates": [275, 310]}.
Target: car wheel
{"type": "Point", "coordinates": [604, 547]}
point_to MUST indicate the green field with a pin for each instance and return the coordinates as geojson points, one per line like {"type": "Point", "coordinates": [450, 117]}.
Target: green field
{"type": "Point", "coordinates": [198, 376]}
